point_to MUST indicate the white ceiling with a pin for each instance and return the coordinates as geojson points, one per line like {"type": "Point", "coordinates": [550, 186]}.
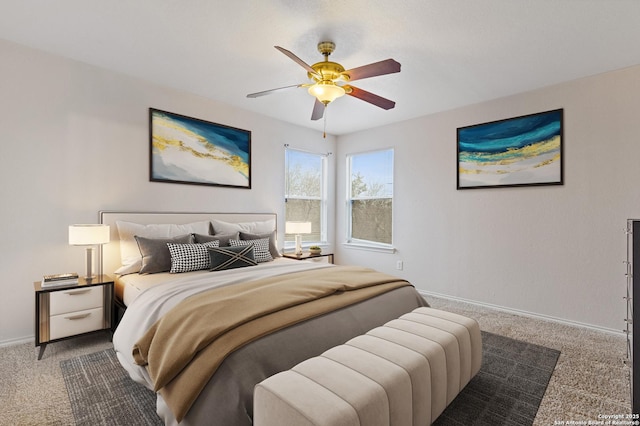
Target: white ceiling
{"type": "Point", "coordinates": [453, 52]}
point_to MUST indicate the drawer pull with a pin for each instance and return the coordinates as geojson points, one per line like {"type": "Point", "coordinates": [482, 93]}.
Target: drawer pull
{"type": "Point", "coordinates": [76, 292]}
{"type": "Point", "coordinates": [77, 317]}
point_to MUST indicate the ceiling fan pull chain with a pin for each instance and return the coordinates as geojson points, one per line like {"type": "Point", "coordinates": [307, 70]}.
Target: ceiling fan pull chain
{"type": "Point", "coordinates": [324, 130]}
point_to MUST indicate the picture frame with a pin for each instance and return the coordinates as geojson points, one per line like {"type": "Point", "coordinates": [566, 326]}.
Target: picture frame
{"type": "Point", "coordinates": [192, 151]}
{"type": "Point", "coordinates": [518, 151]}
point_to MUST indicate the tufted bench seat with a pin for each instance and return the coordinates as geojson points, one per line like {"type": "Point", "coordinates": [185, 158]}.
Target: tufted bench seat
{"type": "Point", "coordinates": [403, 373]}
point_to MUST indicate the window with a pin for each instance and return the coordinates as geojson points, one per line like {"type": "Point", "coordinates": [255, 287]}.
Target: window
{"type": "Point", "coordinates": [370, 198]}
{"type": "Point", "coordinates": [305, 194]}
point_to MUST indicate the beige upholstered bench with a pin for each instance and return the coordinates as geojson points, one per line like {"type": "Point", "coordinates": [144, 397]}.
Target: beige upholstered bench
{"type": "Point", "coordinates": [403, 373]}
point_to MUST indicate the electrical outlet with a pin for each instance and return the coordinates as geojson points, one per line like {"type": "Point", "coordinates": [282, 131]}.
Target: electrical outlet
{"type": "Point", "coordinates": [399, 265]}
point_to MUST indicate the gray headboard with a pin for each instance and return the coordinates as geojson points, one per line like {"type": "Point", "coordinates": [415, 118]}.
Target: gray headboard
{"type": "Point", "coordinates": [110, 253]}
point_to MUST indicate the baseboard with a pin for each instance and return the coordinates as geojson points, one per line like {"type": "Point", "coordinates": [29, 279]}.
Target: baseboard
{"type": "Point", "coordinates": [17, 341]}
{"type": "Point", "coordinates": [525, 313]}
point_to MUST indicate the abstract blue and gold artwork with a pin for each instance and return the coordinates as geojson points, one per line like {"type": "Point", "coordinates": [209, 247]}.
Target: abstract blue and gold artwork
{"type": "Point", "coordinates": [193, 151]}
{"type": "Point", "coordinates": [519, 151]}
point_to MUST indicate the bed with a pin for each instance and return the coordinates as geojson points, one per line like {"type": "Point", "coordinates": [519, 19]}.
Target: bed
{"type": "Point", "coordinates": [161, 316]}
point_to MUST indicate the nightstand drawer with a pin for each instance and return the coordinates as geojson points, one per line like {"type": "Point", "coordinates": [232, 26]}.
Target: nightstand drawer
{"type": "Point", "coordinates": [70, 324]}
{"type": "Point", "coordinates": [75, 299]}
{"type": "Point", "coordinates": [319, 259]}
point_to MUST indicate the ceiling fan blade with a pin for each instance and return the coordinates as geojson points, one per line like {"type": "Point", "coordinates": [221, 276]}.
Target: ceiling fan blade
{"type": "Point", "coordinates": [299, 61]}
{"type": "Point", "coordinates": [318, 110]}
{"type": "Point", "coordinates": [376, 100]}
{"type": "Point", "coordinates": [388, 66]}
{"type": "Point", "coordinates": [267, 92]}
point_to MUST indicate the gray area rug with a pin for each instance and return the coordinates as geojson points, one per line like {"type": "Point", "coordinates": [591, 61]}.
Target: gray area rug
{"type": "Point", "coordinates": [102, 393]}
{"type": "Point", "coordinates": [507, 390]}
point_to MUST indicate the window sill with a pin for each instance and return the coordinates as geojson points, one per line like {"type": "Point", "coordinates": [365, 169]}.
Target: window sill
{"type": "Point", "coordinates": [369, 247]}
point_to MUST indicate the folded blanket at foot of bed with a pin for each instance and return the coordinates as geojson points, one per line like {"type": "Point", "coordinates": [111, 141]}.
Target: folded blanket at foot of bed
{"type": "Point", "coordinates": [403, 373]}
{"type": "Point", "coordinates": [183, 350]}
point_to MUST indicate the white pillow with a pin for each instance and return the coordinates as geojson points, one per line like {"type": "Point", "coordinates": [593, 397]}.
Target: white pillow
{"type": "Point", "coordinates": [130, 256]}
{"type": "Point", "coordinates": [221, 227]}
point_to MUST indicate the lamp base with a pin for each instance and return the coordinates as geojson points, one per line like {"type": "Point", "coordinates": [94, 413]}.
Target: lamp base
{"type": "Point", "coordinates": [89, 258]}
{"type": "Point", "coordinates": [298, 244]}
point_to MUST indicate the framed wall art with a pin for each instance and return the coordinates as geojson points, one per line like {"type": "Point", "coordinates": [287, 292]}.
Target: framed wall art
{"type": "Point", "coordinates": [519, 151]}
{"type": "Point", "coordinates": [193, 151]}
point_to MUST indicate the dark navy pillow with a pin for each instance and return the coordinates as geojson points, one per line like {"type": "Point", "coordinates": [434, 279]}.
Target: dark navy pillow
{"type": "Point", "coordinates": [231, 257]}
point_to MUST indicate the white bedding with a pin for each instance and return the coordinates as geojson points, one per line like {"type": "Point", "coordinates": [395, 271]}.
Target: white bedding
{"type": "Point", "coordinates": [158, 293]}
{"type": "Point", "coordinates": [133, 284]}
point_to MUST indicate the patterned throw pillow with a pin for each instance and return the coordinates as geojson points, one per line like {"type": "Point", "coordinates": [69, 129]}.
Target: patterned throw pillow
{"type": "Point", "coordinates": [231, 257]}
{"type": "Point", "coordinates": [273, 249]}
{"type": "Point", "coordinates": [190, 257]}
{"type": "Point", "coordinates": [260, 248]}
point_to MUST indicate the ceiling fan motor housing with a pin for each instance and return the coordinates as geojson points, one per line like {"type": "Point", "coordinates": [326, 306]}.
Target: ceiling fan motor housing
{"type": "Point", "coordinates": [328, 71]}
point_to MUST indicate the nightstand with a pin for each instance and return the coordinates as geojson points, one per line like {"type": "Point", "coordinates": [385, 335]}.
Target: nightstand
{"type": "Point", "coordinates": [309, 256]}
{"type": "Point", "coordinates": [68, 311]}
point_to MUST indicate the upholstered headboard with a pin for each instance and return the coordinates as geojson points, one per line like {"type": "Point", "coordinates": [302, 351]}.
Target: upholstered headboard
{"type": "Point", "coordinates": [110, 253]}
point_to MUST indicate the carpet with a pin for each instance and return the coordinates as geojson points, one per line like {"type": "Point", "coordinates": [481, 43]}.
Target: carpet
{"type": "Point", "coordinates": [102, 393]}
{"type": "Point", "coordinates": [507, 390]}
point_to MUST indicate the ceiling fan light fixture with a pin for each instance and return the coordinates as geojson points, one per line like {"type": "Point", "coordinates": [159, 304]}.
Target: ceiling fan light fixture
{"type": "Point", "coordinates": [326, 91]}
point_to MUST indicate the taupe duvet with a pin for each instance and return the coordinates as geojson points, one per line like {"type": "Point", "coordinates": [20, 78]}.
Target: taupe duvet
{"type": "Point", "coordinates": [227, 396]}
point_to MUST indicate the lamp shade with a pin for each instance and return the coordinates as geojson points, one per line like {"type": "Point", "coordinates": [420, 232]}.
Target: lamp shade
{"type": "Point", "coordinates": [326, 91]}
{"type": "Point", "coordinates": [85, 235]}
{"type": "Point", "coordinates": [297, 227]}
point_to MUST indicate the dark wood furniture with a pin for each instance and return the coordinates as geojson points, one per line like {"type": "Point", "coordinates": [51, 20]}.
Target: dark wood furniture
{"type": "Point", "coordinates": [633, 305]}
{"type": "Point", "coordinates": [63, 312]}
{"type": "Point", "coordinates": [309, 256]}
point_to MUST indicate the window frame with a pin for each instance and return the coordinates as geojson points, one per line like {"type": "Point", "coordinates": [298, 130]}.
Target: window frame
{"type": "Point", "coordinates": [350, 241]}
{"type": "Point", "coordinates": [323, 157]}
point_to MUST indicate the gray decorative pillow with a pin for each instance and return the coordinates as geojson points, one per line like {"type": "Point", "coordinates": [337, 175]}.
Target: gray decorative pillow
{"type": "Point", "coordinates": [223, 258]}
{"type": "Point", "coordinates": [155, 254]}
{"type": "Point", "coordinates": [273, 249]}
{"type": "Point", "coordinates": [190, 257]}
{"type": "Point", "coordinates": [129, 251]}
{"type": "Point", "coordinates": [260, 248]}
{"type": "Point", "coordinates": [223, 238]}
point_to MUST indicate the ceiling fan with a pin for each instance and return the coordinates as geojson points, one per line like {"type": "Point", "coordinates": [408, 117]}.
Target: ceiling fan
{"type": "Point", "coordinates": [329, 80]}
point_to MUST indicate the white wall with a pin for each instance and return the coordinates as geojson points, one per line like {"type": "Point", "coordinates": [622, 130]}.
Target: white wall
{"type": "Point", "coordinates": [554, 250]}
{"type": "Point", "coordinates": [74, 141]}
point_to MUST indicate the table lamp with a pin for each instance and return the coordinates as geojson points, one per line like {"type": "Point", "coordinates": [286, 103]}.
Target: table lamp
{"type": "Point", "coordinates": [298, 228]}
{"type": "Point", "coordinates": [88, 235]}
